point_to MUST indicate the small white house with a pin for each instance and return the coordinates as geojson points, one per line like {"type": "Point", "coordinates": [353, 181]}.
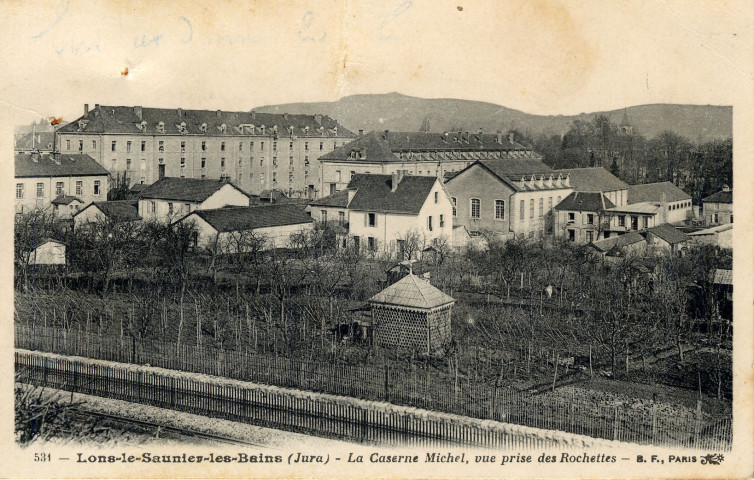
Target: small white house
{"type": "Point", "coordinates": [224, 228]}
{"type": "Point", "coordinates": [116, 211]}
{"type": "Point", "coordinates": [48, 252]}
{"type": "Point", "coordinates": [387, 211]}
{"type": "Point", "coordinates": [170, 198]}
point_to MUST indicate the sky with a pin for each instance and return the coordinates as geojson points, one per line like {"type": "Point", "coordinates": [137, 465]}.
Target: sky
{"type": "Point", "coordinates": [543, 57]}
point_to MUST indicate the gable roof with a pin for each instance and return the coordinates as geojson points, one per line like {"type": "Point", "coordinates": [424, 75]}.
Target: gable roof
{"type": "Point", "coordinates": [508, 171]}
{"type": "Point", "coordinates": [585, 202]}
{"type": "Point", "coordinates": [646, 208]}
{"type": "Point", "coordinates": [373, 193]}
{"type": "Point", "coordinates": [594, 179]}
{"type": "Point", "coordinates": [669, 233]}
{"type": "Point", "coordinates": [124, 119]}
{"type": "Point", "coordinates": [57, 165]}
{"type": "Point", "coordinates": [185, 189]}
{"type": "Point", "coordinates": [387, 147]}
{"type": "Point", "coordinates": [653, 192]}
{"type": "Point", "coordinates": [337, 199]}
{"type": "Point", "coordinates": [607, 244]}
{"type": "Point", "coordinates": [723, 196]}
{"type": "Point", "coordinates": [712, 230]}
{"type": "Point", "coordinates": [411, 291]}
{"type": "Point", "coordinates": [234, 219]}
{"type": "Point", "coordinates": [65, 200]}
{"type": "Point", "coordinates": [116, 210]}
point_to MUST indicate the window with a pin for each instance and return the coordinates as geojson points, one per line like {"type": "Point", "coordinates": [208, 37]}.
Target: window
{"type": "Point", "coordinates": [222, 163]}
{"type": "Point", "coordinates": [290, 147]}
{"type": "Point", "coordinates": [571, 235]}
{"type": "Point", "coordinates": [437, 197]}
{"type": "Point", "coordinates": [274, 146]}
{"type": "Point", "coordinates": [222, 146]}
{"type": "Point", "coordinates": [342, 218]}
{"type": "Point", "coordinates": [112, 147]}
{"type": "Point", "coordinates": [324, 215]}
{"type": "Point", "coordinates": [261, 162]}
{"type": "Point", "coordinates": [589, 236]}
{"type": "Point", "coordinates": [187, 207]}
{"type": "Point", "coordinates": [290, 160]}
{"type": "Point", "coordinates": [531, 208]}
{"type": "Point", "coordinates": [170, 208]}
{"type": "Point", "coordinates": [321, 146]}
{"type": "Point", "coordinates": [549, 205]}
{"type": "Point", "coordinates": [571, 217]}
{"type": "Point", "coordinates": [274, 177]}
{"type": "Point", "coordinates": [646, 222]}
{"type": "Point", "coordinates": [161, 146]}
{"type": "Point", "coordinates": [143, 146]}
{"type": "Point", "coordinates": [442, 220]}
{"type": "Point", "coordinates": [475, 207]}
{"type": "Point", "coordinates": [240, 162]}
{"type": "Point", "coordinates": [371, 219]}
{"type": "Point", "coordinates": [634, 222]}
{"type": "Point", "coordinates": [352, 174]}
{"type": "Point", "coordinates": [128, 164]}
{"type": "Point", "coordinates": [183, 162]}
{"type": "Point", "coordinates": [274, 161]}
{"type": "Point", "coordinates": [68, 145]}
{"type": "Point", "coordinates": [306, 160]}
{"type": "Point", "coordinates": [96, 187]}
{"type": "Point", "coordinates": [499, 209]}
{"type": "Point", "coordinates": [306, 146]}
{"type": "Point", "coordinates": [128, 146]}
{"type": "Point", "coordinates": [521, 210]}
{"type": "Point", "coordinates": [590, 219]}
{"type": "Point", "coordinates": [94, 144]}
{"type": "Point", "coordinates": [334, 145]}
{"type": "Point", "coordinates": [79, 187]}
{"type": "Point", "coordinates": [152, 207]}
{"type": "Point", "coordinates": [40, 190]}
{"type": "Point", "coordinates": [19, 190]}
{"type": "Point", "coordinates": [338, 176]}
{"type": "Point", "coordinates": [59, 188]}
{"type": "Point", "coordinates": [371, 243]}
{"type": "Point", "coordinates": [541, 207]}
{"type": "Point", "coordinates": [429, 223]}
{"type": "Point", "coordinates": [204, 162]}
{"type": "Point", "coordinates": [240, 146]}
{"type": "Point", "coordinates": [261, 178]}
{"type": "Point", "coordinates": [290, 177]}
{"type": "Point", "coordinates": [261, 145]}
{"type": "Point", "coordinates": [453, 203]}
{"type": "Point", "coordinates": [81, 145]}
{"type": "Point", "coordinates": [621, 220]}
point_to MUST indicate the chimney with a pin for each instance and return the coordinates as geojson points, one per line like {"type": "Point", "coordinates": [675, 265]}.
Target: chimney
{"type": "Point", "coordinates": [285, 116]}
{"type": "Point", "coordinates": [397, 177]}
{"type": "Point", "coordinates": [35, 157]}
{"type": "Point", "coordinates": [500, 137]}
{"type": "Point", "coordinates": [180, 112]}
{"type": "Point", "coordinates": [138, 112]}
{"type": "Point", "coordinates": [510, 137]}
{"type": "Point", "coordinates": [481, 131]}
{"type": "Point", "coordinates": [219, 112]}
{"type": "Point", "coordinates": [86, 108]}
{"type": "Point", "coordinates": [96, 109]}
{"type": "Point", "coordinates": [253, 114]}
{"type": "Point", "coordinates": [318, 119]}
{"type": "Point", "coordinates": [361, 132]}
{"type": "Point", "coordinates": [387, 135]}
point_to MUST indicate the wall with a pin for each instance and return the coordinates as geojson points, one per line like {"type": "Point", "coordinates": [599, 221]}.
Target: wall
{"type": "Point", "coordinates": [247, 158]}
{"type": "Point", "coordinates": [274, 236]}
{"type": "Point", "coordinates": [724, 212]}
{"type": "Point", "coordinates": [224, 196]}
{"type": "Point", "coordinates": [31, 201]}
{"type": "Point", "coordinates": [476, 182]}
{"type": "Point", "coordinates": [49, 253]}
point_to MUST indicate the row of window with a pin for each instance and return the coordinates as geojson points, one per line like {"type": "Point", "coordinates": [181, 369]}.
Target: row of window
{"type": "Point", "coordinates": [679, 205]}
{"type": "Point", "coordinates": [161, 146]}
{"type": "Point", "coordinates": [341, 217]}
{"type": "Point", "coordinates": [475, 208]}
{"type": "Point", "coordinates": [59, 189]}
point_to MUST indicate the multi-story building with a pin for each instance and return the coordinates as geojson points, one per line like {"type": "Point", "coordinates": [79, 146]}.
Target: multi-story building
{"type": "Point", "coordinates": [394, 215]}
{"type": "Point", "coordinates": [675, 203]}
{"type": "Point", "coordinates": [597, 179]}
{"type": "Point", "coordinates": [417, 153]}
{"type": "Point", "coordinates": [257, 151]}
{"type": "Point", "coordinates": [170, 198]}
{"type": "Point", "coordinates": [507, 197]}
{"type": "Point", "coordinates": [584, 217]}
{"type": "Point", "coordinates": [41, 179]}
{"type": "Point", "coordinates": [718, 207]}
{"type": "Point", "coordinates": [34, 142]}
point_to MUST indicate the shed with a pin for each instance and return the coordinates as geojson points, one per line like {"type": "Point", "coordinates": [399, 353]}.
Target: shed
{"type": "Point", "coordinates": [48, 252]}
{"type": "Point", "coordinates": [412, 314]}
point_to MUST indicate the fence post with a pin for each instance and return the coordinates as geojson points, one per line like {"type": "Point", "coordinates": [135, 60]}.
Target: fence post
{"type": "Point", "coordinates": [654, 423]}
{"type": "Point", "coordinates": [387, 382]}
{"type": "Point", "coordinates": [615, 424]}
{"type": "Point", "coordinates": [698, 423]}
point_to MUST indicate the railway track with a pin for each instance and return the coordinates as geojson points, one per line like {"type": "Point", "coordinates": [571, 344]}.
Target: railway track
{"type": "Point", "coordinates": [167, 431]}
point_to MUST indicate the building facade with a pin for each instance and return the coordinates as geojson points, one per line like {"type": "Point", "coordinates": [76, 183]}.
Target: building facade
{"type": "Point", "coordinates": [414, 153]}
{"type": "Point", "coordinates": [43, 178]}
{"type": "Point", "coordinates": [507, 197]}
{"type": "Point", "coordinates": [170, 198]}
{"type": "Point", "coordinates": [675, 204]}
{"type": "Point", "coordinates": [718, 208]}
{"type": "Point", "coordinates": [257, 151]}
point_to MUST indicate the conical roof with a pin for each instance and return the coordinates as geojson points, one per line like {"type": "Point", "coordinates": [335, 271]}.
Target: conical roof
{"type": "Point", "coordinates": [411, 291]}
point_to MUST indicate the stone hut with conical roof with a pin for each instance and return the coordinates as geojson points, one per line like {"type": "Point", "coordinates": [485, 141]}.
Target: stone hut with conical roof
{"type": "Point", "coordinates": [412, 314]}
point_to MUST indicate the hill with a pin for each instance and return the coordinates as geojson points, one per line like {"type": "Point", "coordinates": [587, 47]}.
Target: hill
{"type": "Point", "coordinates": [394, 111]}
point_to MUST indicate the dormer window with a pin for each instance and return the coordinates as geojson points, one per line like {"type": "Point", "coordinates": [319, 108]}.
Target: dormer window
{"type": "Point", "coordinates": [251, 129]}
{"type": "Point", "coordinates": [261, 129]}
{"type": "Point", "coordinates": [143, 126]}
{"type": "Point", "coordinates": [182, 127]}
{"type": "Point", "coordinates": [82, 124]}
{"type": "Point", "coordinates": [203, 128]}
{"type": "Point", "coordinates": [223, 127]}
{"type": "Point", "coordinates": [161, 127]}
